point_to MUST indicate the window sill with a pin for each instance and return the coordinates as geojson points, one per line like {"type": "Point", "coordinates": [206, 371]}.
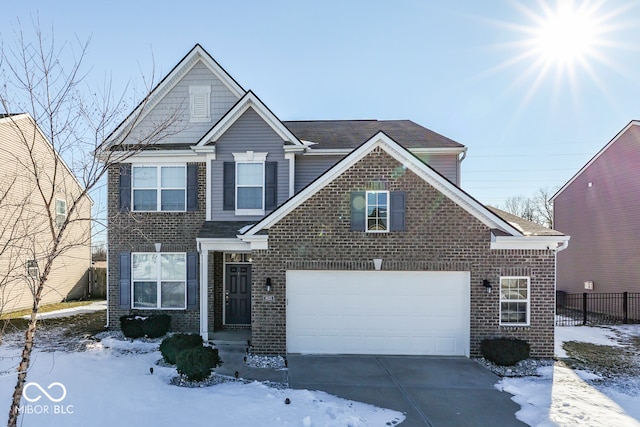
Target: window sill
{"type": "Point", "coordinates": [157, 308]}
{"type": "Point", "coordinates": [249, 212]}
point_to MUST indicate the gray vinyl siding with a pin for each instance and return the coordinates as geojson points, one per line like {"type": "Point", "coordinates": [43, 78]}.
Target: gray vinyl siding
{"type": "Point", "coordinates": [446, 164]}
{"type": "Point", "coordinates": [248, 133]}
{"type": "Point", "coordinates": [177, 101]}
{"type": "Point", "coordinates": [309, 168]}
{"type": "Point", "coordinates": [602, 221]}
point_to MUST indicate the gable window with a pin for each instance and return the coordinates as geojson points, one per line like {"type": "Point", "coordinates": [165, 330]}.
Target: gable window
{"type": "Point", "coordinates": [159, 188]}
{"type": "Point", "coordinates": [159, 280]}
{"type": "Point", "coordinates": [377, 211]}
{"type": "Point", "coordinates": [514, 301]}
{"type": "Point", "coordinates": [61, 212]}
{"type": "Point", "coordinates": [200, 103]}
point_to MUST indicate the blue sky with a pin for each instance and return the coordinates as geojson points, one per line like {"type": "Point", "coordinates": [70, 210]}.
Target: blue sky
{"type": "Point", "coordinates": [469, 70]}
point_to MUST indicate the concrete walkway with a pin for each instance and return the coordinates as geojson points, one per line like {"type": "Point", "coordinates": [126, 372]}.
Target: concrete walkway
{"type": "Point", "coordinates": [66, 312]}
{"type": "Point", "coordinates": [431, 391]}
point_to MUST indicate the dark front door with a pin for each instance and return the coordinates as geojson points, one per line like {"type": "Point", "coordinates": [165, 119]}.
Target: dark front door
{"type": "Point", "coordinates": [238, 294]}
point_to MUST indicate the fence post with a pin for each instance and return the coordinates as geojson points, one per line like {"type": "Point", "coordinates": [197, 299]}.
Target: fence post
{"type": "Point", "coordinates": [625, 307]}
{"type": "Point", "coordinates": [584, 309]}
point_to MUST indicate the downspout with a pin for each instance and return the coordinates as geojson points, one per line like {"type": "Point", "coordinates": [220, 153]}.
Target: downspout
{"type": "Point", "coordinates": [460, 159]}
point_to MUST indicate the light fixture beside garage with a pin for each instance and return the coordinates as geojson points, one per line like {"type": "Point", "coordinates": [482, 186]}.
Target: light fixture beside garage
{"type": "Point", "coordinates": [268, 284]}
{"type": "Point", "coordinates": [377, 263]}
{"type": "Point", "coordinates": [487, 285]}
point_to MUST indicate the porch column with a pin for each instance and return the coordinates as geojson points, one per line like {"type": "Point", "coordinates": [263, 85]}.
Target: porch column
{"type": "Point", "coordinates": [204, 303]}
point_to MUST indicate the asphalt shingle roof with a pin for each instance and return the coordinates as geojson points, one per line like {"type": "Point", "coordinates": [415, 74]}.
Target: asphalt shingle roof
{"type": "Point", "coordinates": [222, 229]}
{"type": "Point", "coordinates": [332, 134]}
{"type": "Point", "coordinates": [527, 227]}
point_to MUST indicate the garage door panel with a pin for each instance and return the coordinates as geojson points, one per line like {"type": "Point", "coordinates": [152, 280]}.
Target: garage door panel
{"type": "Point", "coordinates": [378, 312]}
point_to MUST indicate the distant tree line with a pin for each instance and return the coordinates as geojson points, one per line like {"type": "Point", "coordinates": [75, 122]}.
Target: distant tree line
{"type": "Point", "coordinates": [537, 208]}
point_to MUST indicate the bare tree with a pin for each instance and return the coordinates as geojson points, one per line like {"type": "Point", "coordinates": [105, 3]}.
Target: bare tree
{"type": "Point", "coordinates": [47, 81]}
{"type": "Point", "coordinates": [544, 205]}
{"type": "Point", "coordinates": [538, 208]}
{"type": "Point", "coordinates": [521, 206]}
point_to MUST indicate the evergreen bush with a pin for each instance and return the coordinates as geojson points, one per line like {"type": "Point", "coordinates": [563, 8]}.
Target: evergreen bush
{"type": "Point", "coordinates": [197, 363]}
{"type": "Point", "coordinates": [154, 326]}
{"type": "Point", "coordinates": [173, 345]}
{"type": "Point", "coordinates": [505, 351]}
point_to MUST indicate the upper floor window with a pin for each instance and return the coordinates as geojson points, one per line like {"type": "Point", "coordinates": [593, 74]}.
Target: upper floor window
{"type": "Point", "coordinates": [159, 188]}
{"type": "Point", "coordinates": [514, 301]}
{"type": "Point", "coordinates": [200, 103]}
{"type": "Point", "coordinates": [250, 186]}
{"type": "Point", "coordinates": [377, 211]}
{"type": "Point", "coordinates": [61, 212]}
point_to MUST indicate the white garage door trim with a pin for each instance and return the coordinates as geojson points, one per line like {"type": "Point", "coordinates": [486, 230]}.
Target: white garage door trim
{"type": "Point", "coordinates": [378, 312]}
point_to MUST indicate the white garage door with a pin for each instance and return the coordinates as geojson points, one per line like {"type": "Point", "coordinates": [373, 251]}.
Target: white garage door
{"type": "Point", "coordinates": [378, 312]}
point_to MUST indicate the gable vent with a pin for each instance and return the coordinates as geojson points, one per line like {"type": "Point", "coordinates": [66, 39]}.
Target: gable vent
{"type": "Point", "coordinates": [200, 97]}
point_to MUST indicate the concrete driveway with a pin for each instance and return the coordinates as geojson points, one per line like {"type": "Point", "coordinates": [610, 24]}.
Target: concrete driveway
{"type": "Point", "coordinates": [431, 391]}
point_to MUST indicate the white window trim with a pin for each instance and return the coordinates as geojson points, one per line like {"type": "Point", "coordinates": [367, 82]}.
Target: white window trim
{"type": "Point", "coordinates": [195, 91]}
{"type": "Point", "coordinates": [528, 301]}
{"type": "Point", "coordinates": [158, 282]}
{"type": "Point", "coordinates": [253, 158]}
{"type": "Point", "coordinates": [64, 215]}
{"type": "Point", "coordinates": [366, 211]}
{"type": "Point", "coordinates": [158, 187]}
{"type": "Point", "coordinates": [32, 268]}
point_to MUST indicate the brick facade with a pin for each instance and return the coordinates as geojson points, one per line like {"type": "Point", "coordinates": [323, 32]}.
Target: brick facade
{"type": "Point", "coordinates": [439, 236]}
{"type": "Point", "coordinates": [138, 232]}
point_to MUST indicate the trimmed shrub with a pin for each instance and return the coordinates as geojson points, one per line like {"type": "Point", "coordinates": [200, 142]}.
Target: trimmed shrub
{"type": "Point", "coordinates": [197, 363]}
{"type": "Point", "coordinates": [505, 351]}
{"type": "Point", "coordinates": [156, 325]}
{"type": "Point", "coordinates": [171, 346]}
{"type": "Point", "coordinates": [153, 326]}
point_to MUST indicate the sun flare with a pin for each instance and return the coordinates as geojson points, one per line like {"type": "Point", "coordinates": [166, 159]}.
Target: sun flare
{"type": "Point", "coordinates": [567, 34]}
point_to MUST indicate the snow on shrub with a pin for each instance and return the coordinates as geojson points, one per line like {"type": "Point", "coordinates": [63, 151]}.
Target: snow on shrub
{"type": "Point", "coordinates": [153, 326]}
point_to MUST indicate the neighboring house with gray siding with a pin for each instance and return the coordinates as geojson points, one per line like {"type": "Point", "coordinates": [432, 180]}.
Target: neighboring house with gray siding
{"type": "Point", "coordinates": [341, 236]}
{"type": "Point", "coordinates": [599, 208]}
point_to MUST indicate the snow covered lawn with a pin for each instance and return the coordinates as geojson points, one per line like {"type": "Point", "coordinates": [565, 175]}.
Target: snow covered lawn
{"type": "Point", "coordinates": [561, 396]}
{"type": "Point", "coordinates": [110, 384]}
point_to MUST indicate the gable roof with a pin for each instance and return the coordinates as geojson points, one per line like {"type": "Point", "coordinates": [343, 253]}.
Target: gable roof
{"type": "Point", "coordinates": [333, 134]}
{"type": "Point", "coordinates": [456, 194]}
{"type": "Point", "coordinates": [195, 55]}
{"type": "Point", "coordinates": [594, 158]}
{"type": "Point", "coordinates": [249, 100]}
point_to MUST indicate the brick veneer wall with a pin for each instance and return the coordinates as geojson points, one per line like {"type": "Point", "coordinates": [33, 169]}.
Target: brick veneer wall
{"type": "Point", "coordinates": [439, 235]}
{"type": "Point", "coordinates": [138, 232]}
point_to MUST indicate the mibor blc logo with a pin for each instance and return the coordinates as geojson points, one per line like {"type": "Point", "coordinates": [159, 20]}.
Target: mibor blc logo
{"type": "Point", "coordinates": [45, 400]}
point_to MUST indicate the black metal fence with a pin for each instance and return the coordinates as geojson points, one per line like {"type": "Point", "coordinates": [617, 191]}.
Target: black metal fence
{"type": "Point", "coordinates": [597, 309]}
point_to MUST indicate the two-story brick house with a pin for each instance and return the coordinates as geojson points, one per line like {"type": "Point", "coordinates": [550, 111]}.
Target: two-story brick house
{"type": "Point", "coordinates": [319, 236]}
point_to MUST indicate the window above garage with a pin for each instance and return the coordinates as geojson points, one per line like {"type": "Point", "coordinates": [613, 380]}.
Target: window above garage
{"type": "Point", "coordinates": [377, 211]}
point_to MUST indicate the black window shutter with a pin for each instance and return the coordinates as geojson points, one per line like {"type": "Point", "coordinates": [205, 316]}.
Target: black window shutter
{"type": "Point", "coordinates": [271, 185]}
{"type": "Point", "coordinates": [229, 186]}
{"type": "Point", "coordinates": [125, 188]}
{"type": "Point", "coordinates": [125, 280]}
{"type": "Point", "coordinates": [192, 280]}
{"type": "Point", "coordinates": [192, 187]}
{"type": "Point", "coordinates": [396, 211]}
{"type": "Point", "coordinates": [358, 214]}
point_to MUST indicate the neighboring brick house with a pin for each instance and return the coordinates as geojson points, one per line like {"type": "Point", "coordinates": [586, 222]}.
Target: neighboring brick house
{"type": "Point", "coordinates": [29, 164]}
{"type": "Point", "coordinates": [599, 207]}
{"type": "Point", "coordinates": [319, 236]}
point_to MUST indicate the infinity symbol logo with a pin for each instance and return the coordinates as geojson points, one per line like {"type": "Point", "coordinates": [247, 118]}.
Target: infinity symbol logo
{"type": "Point", "coordinates": [44, 392]}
